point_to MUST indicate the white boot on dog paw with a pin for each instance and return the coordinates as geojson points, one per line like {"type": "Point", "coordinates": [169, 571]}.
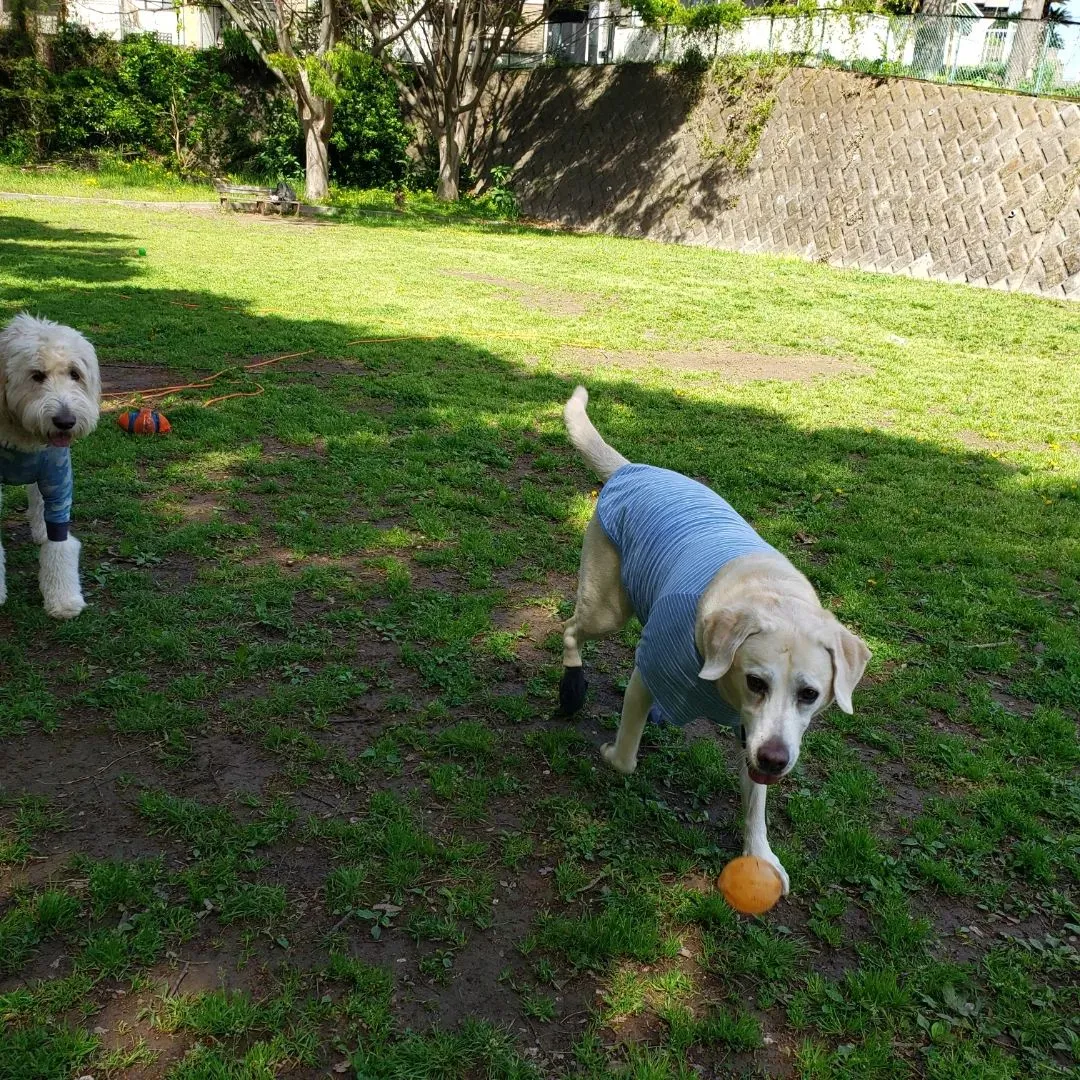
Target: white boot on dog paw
{"type": "Point", "coordinates": [58, 576]}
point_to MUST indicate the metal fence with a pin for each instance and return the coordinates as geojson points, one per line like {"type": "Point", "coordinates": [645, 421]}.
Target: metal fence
{"type": "Point", "coordinates": [1029, 56]}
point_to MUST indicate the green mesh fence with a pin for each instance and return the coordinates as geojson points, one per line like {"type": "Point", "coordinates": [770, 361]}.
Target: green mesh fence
{"type": "Point", "coordinates": [1029, 56]}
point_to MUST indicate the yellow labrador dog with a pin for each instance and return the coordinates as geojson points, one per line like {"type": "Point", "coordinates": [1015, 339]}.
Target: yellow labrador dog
{"type": "Point", "coordinates": [731, 630]}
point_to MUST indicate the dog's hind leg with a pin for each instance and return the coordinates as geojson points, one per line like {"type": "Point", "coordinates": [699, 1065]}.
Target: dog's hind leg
{"type": "Point", "coordinates": [602, 609]}
{"type": "Point", "coordinates": [35, 513]}
{"type": "Point", "coordinates": [621, 755]}
{"type": "Point", "coordinates": [573, 686]}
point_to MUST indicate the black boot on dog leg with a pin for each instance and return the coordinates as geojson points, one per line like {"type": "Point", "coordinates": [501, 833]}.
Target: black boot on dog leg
{"type": "Point", "coordinates": [572, 690]}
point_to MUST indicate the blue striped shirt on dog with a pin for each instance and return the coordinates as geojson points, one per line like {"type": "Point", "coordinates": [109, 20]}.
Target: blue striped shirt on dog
{"type": "Point", "coordinates": [50, 469]}
{"type": "Point", "coordinates": [673, 535]}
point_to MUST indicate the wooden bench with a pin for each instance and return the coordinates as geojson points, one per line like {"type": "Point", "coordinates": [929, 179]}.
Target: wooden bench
{"type": "Point", "coordinates": [263, 200]}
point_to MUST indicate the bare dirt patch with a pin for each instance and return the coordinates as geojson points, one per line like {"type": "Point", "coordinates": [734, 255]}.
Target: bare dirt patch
{"type": "Point", "coordinates": [201, 506]}
{"type": "Point", "coordinates": [316, 365]}
{"type": "Point", "coordinates": [942, 721]}
{"type": "Point", "coordinates": [974, 441]}
{"type": "Point", "coordinates": [274, 221]}
{"type": "Point", "coordinates": [902, 797]}
{"type": "Point", "coordinates": [135, 378]}
{"type": "Point", "coordinates": [1000, 693]}
{"type": "Point", "coordinates": [179, 570]}
{"type": "Point", "coordinates": [273, 447]}
{"type": "Point", "coordinates": [734, 366]}
{"type": "Point", "coordinates": [534, 297]}
{"type": "Point", "coordinates": [964, 931]}
{"type": "Point", "coordinates": [131, 378]}
{"type": "Point", "coordinates": [536, 624]}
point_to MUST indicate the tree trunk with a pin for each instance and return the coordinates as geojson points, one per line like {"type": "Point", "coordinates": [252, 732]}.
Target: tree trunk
{"type": "Point", "coordinates": [451, 147]}
{"type": "Point", "coordinates": [1026, 42]}
{"type": "Point", "coordinates": [316, 122]}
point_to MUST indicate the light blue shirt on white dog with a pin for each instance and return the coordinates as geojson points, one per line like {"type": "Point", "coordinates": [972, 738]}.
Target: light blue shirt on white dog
{"type": "Point", "coordinates": [673, 535]}
{"type": "Point", "coordinates": [50, 469]}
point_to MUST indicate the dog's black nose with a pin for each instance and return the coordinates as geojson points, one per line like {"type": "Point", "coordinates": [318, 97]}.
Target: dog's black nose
{"type": "Point", "coordinates": [64, 421]}
{"type": "Point", "coordinates": [773, 757]}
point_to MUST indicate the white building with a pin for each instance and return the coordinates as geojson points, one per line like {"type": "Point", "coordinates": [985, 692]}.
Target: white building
{"type": "Point", "coordinates": [179, 24]}
{"type": "Point", "coordinates": [976, 43]}
{"type": "Point", "coordinates": [977, 40]}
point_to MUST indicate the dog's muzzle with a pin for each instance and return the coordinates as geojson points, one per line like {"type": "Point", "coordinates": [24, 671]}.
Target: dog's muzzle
{"type": "Point", "coordinates": [773, 759]}
{"type": "Point", "coordinates": [62, 423]}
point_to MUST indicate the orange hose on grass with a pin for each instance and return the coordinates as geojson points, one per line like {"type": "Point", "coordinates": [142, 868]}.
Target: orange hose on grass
{"type": "Point", "coordinates": [225, 397]}
{"type": "Point", "coordinates": [155, 392]}
{"type": "Point", "coordinates": [202, 384]}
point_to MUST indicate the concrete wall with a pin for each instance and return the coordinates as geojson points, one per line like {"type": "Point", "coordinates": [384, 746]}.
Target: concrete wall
{"type": "Point", "coordinates": [883, 174]}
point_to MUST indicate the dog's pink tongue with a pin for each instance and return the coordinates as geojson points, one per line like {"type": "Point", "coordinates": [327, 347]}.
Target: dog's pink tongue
{"type": "Point", "coordinates": [762, 778]}
{"type": "Point", "coordinates": [60, 440]}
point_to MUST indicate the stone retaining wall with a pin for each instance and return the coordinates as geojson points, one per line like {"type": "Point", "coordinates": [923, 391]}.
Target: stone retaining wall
{"type": "Point", "coordinates": [883, 174]}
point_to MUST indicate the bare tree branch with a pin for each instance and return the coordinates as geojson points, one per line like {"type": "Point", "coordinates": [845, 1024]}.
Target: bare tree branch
{"type": "Point", "coordinates": [381, 41]}
{"type": "Point", "coordinates": [244, 21]}
{"type": "Point", "coordinates": [453, 47]}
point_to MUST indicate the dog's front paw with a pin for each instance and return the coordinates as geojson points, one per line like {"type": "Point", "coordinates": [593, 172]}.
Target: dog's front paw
{"type": "Point", "coordinates": [65, 607]}
{"type": "Point", "coordinates": [608, 753]}
{"type": "Point", "coordinates": [775, 863]}
{"type": "Point", "coordinates": [572, 690]}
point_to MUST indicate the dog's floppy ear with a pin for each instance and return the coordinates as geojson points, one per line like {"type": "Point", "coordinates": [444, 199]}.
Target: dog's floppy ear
{"type": "Point", "coordinates": [93, 373]}
{"type": "Point", "coordinates": [849, 655]}
{"type": "Point", "coordinates": [722, 633]}
{"type": "Point", "coordinates": [17, 346]}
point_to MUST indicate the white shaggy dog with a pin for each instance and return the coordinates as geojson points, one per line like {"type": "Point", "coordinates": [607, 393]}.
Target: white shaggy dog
{"type": "Point", "coordinates": [731, 630]}
{"type": "Point", "coordinates": [50, 389]}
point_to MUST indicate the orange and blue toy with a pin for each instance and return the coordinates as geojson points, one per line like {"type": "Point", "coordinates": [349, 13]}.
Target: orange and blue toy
{"type": "Point", "coordinates": [144, 422]}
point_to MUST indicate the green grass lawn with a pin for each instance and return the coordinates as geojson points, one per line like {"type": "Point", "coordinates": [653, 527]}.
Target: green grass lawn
{"type": "Point", "coordinates": [288, 798]}
{"type": "Point", "coordinates": [141, 181]}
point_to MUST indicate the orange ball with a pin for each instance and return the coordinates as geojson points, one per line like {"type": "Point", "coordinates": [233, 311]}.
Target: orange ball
{"type": "Point", "coordinates": [750, 885]}
{"type": "Point", "coordinates": [144, 422]}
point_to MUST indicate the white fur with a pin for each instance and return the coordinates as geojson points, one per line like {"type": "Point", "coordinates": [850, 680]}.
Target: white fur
{"type": "Point", "coordinates": [58, 577]}
{"type": "Point", "coordinates": [35, 513]}
{"type": "Point", "coordinates": [3, 577]}
{"type": "Point", "coordinates": [759, 618]}
{"type": "Point", "coordinates": [47, 370]}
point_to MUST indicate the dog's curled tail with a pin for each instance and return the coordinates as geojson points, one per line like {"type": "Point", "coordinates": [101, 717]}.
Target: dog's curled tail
{"type": "Point", "coordinates": [603, 458]}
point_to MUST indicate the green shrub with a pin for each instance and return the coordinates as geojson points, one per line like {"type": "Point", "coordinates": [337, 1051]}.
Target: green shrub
{"type": "Point", "coordinates": [198, 112]}
{"type": "Point", "coordinates": [500, 196]}
{"type": "Point", "coordinates": [370, 140]}
{"type": "Point", "coordinates": [27, 102]}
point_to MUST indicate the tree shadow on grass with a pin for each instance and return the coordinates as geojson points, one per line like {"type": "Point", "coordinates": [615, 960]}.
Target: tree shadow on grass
{"type": "Point", "coordinates": [34, 252]}
{"type": "Point", "coordinates": [876, 504]}
{"type": "Point", "coordinates": [375, 467]}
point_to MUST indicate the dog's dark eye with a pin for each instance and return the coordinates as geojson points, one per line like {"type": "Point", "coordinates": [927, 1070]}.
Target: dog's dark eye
{"type": "Point", "coordinates": [38, 376]}
{"type": "Point", "coordinates": [756, 685]}
{"type": "Point", "coordinates": [807, 695]}
{"type": "Point", "coordinates": [75, 376]}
